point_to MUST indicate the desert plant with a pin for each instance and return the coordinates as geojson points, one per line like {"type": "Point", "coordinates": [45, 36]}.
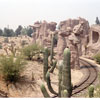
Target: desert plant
{"type": "Point", "coordinates": [97, 57]}
{"type": "Point", "coordinates": [12, 49]}
{"type": "Point", "coordinates": [49, 84]}
{"type": "Point", "coordinates": [11, 67]}
{"type": "Point", "coordinates": [91, 91]}
{"type": "Point", "coordinates": [66, 72]}
{"type": "Point", "coordinates": [60, 65]}
{"type": "Point", "coordinates": [44, 91]}
{"type": "Point", "coordinates": [64, 77]}
{"type": "Point", "coordinates": [53, 66]}
{"type": "Point", "coordinates": [65, 93]}
{"type": "Point", "coordinates": [30, 51]}
{"type": "Point", "coordinates": [52, 47]}
{"type": "Point", "coordinates": [45, 62]}
{"type": "Point", "coordinates": [0, 46]}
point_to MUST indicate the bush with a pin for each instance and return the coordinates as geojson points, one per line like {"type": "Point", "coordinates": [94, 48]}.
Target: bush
{"type": "Point", "coordinates": [0, 46]}
{"type": "Point", "coordinates": [30, 50]}
{"type": "Point", "coordinates": [97, 58]}
{"type": "Point", "coordinates": [11, 67]}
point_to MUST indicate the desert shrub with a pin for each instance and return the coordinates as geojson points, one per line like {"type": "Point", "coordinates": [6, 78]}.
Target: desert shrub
{"type": "Point", "coordinates": [6, 40]}
{"type": "Point", "coordinates": [0, 46]}
{"type": "Point", "coordinates": [31, 50]}
{"type": "Point", "coordinates": [97, 58]}
{"type": "Point", "coordinates": [11, 67]}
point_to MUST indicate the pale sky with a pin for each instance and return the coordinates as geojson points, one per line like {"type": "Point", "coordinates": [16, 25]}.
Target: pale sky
{"type": "Point", "coordinates": [26, 12]}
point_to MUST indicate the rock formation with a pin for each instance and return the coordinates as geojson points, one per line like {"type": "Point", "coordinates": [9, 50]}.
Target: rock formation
{"type": "Point", "coordinates": [72, 33]}
{"type": "Point", "coordinates": [94, 40]}
{"type": "Point", "coordinates": [42, 32]}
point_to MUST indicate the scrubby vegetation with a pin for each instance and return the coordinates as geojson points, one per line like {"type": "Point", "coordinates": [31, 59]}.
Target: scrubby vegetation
{"type": "Point", "coordinates": [97, 58]}
{"type": "Point", "coordinates": [31, 50]}
{"type": "Point", "coordinates": [11, 67]}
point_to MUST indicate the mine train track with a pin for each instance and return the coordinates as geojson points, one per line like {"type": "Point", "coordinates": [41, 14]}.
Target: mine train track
{"type": "Point", "coordinates": [90, 77]}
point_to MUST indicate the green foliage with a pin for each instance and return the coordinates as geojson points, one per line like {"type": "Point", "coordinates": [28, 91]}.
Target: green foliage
{"type": "Point", "coordinates": [97, 21]}
{"type": "Point", "coordinates": [45, 62]}
{"type": "Point", "coordinates": [8, 32]}
{"type": "Point", "coordinates": [31, 50]}
{"type": "Point", "coordinates": [97, 58]}
{"type": "Point", "coordinates": [18, 30]}
{"type": "Point", "coordinates": [91, 91]}
{"type": "Point", "coordinates": [66, 72]}
{"type": "Point", "coordinates": [44, 91]}
{"type": "Point", "coordinates": [1, 32]}
{"type": "Point", "coordinates": [11, 67]}
{"type": "Point", "coordinates": [29, 31]}
{"type": "Point", "coordinates": [0, 46]}
{"type": "Point", "coordinates": [49, 84]}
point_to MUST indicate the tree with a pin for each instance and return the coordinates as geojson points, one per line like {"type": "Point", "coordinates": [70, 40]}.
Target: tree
{"type": "Point", "coordinates": [97, 21]}
{"type": "Point", "coordinates": [24, 31]}
{"type": "Point", "coordinates": [18, 30]}
{"type": "Point", "coordinates": [29, 31]}
{"type": "Point", "coordinates": [8, 32]}
{"type": "Point", "coordinates": [1, 32]}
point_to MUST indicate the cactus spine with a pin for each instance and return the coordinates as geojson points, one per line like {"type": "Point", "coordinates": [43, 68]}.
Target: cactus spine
{"type": "Point", "coordinates": [91, 91]}
{"type": "Point", "coordinates": [49, 84]}
{"type": "Point", "coordinates": [44, 91]}
{"type": "Point", "coordinates": [66, 72]}
{"type": "Point", "coordinates": [45, 67]}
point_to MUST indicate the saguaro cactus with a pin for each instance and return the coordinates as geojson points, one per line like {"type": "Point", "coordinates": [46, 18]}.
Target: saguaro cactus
{"type": "Point", "coordinates": [44, 91]}
{"type": "Point", "coordinates": [64, 77]}
{"type": "Point", "coordinates": [52, 47]}
{"type": "Point", "coordinates": [45, 67]}
{"type": "Point", "coordinates": [91, 91]}
{"type": "Point", "coordinates": [66, 72]}
{"type": "Point", "coordinates": [65, 93]}
{"type": "Point", "coordinates": [49, 84]}
{"type": "Point", "coordinates": [60, 66]}
{"type": "Point", "coordinates": [53, 66]}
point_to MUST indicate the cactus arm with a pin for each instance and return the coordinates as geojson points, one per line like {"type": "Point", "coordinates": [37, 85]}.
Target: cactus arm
{"type": "Point", "coordinates": [45, 61]}
{"type": "Point", "coordinates": [66, 79]}
{"type": "Point", "coordinates": [49, 84]}
{"type": "Point", "coordinates": [53, 67]}
{"type": "Point", "coordinates": [60, 66]}
{"type": "Point", "coordinates": [44, 91]}
{"type": "Point", "coordinates": [52, 47]}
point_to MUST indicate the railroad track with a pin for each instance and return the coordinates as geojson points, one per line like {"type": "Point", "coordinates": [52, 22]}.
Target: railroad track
{"type": "Point", "coordinates": [90, 78]}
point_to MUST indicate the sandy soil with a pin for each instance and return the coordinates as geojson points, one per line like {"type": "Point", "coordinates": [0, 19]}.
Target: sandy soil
{"type": "Point", "coordinates": [29, 88]}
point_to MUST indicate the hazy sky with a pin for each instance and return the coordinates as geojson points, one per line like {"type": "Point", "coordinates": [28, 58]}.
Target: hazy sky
{"type": "Point", "coordinates": [26, 12]}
